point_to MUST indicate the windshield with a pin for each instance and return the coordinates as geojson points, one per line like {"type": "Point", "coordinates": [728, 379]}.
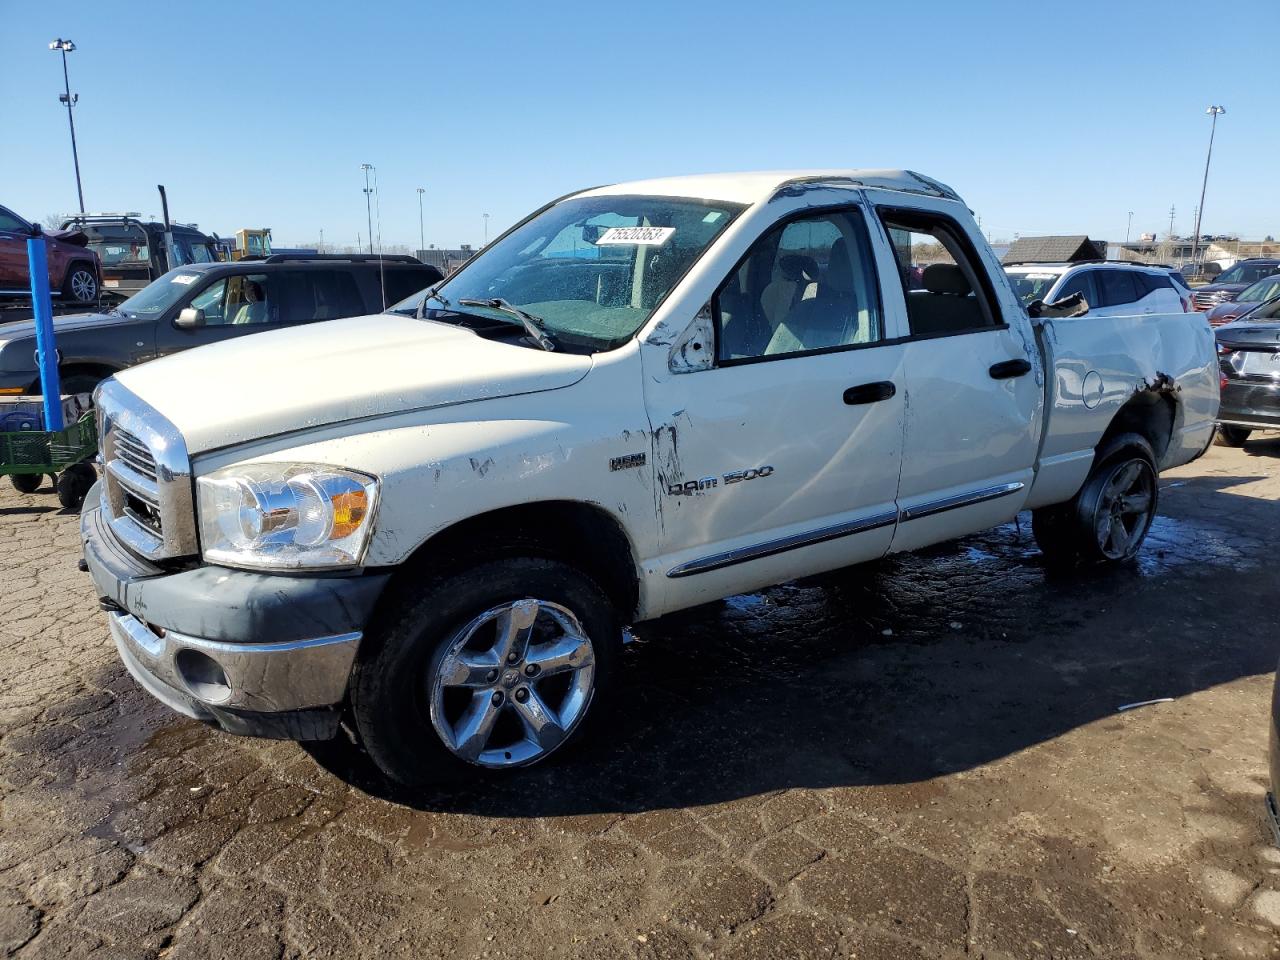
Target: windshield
{"type": "Point", "coordinates": [1246, 273]}
{"type": "Point", "coordinates": [157, 297]}
{"type": "Point", "coordinates": [1032, 286]}
{"type": "Point", "coordinates": [593, 269]}
{"type": "Point", "coordinates": [1262, 290]}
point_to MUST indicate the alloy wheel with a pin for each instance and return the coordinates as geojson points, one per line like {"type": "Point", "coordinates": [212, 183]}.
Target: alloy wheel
{"type": "Point", "coordinates": [512, 684]}
{"type": "Point", "coordinates": [1123, 513]}
{"type": "Point", "coordinates": [84, 286]}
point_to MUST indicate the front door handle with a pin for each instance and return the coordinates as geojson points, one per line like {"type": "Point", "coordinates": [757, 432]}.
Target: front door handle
{"type": "Point", "coordinates": [869, 392]}
{"type": "Point", "coordinates": [1007, 369]}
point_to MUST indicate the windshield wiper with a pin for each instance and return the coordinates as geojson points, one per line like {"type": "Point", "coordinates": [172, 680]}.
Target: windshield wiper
{"type": "Point", "coordinates": [430, 295]}
{"type": "Point", "coordinates": [534, 326]}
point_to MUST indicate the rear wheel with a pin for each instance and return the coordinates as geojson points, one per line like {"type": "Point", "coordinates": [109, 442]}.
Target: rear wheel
{"type": "Point", "coordinates": [1109, 518]}
{"type": "Point", "coordinates": [1231, 436]}
{"type": "Point", "coordinates": [491, 669]}
{"type": "Point", "coordinates": [81, 285]}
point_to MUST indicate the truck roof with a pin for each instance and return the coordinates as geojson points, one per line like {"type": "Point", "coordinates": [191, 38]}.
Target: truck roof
{"type": "Point", "coordinates": [761, 185]}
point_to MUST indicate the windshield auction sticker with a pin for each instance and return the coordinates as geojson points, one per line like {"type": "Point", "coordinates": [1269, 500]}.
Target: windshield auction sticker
{"type": "Point", "coordinates": [637, 236]}
{"type": "Point", "coordinates": [184, 278]}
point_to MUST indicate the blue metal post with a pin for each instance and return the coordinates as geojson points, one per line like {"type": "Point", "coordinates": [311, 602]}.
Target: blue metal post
{"type": "Point", "coordinates": [46, 351]}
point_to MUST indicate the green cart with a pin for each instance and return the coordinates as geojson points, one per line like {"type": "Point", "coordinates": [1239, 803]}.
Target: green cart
{"type": "Point", "coordinates": [66, 456]}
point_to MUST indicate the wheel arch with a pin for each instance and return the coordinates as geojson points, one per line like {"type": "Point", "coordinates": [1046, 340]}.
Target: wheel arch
{"type": "Point", "coordinates": [582, 534]}
{"type": "Point", "coordinates": [1151, 412]}
{"type": "Point", "coordinates": [74, 369]}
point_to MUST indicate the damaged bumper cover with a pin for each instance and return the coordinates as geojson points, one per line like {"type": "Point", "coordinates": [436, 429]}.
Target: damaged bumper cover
{"type": "Point", "coordinates": [255, 654]}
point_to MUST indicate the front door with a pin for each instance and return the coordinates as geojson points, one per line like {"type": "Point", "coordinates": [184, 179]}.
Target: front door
{"type": "Point", "coordinates": [782, 459]}
{"type": "Point", "coordinates": [974, 404]}
{"type": "Point", "coordinates": [233, 306]}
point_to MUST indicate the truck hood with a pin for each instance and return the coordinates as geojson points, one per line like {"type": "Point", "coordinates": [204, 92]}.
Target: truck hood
{"type": "Point", "coordinates": [323, 373]}
{"type": "Point", "coordinates": [17, 329]}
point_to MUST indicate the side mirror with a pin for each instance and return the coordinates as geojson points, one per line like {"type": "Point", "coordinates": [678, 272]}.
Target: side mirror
{"type": "Point", "coordinates": [190, 318]}
{"type": "Point", "coordinates": [1073, 306]}
{"type": "Point", "coordinates": [694, 349]}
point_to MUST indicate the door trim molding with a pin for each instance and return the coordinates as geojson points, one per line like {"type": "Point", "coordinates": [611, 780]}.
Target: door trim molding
{"type": "Point", "coordinates": [959, 500]}
{"type": "Point", "coordinates": [769, 548]}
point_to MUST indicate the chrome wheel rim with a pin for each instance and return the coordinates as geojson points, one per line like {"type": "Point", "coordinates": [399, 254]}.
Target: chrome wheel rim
{"type": "Point", "coordinates": [1124, 509]}
{"type": "Point", "coordinates": [513, 684]}
{"type": "Point", "coordinates": [83, 285]}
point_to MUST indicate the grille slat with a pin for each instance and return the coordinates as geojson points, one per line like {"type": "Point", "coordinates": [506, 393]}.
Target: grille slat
{"type": "Point", "coordinates": [134, 453]}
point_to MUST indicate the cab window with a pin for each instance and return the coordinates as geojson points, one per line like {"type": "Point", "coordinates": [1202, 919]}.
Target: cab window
{"type": "Point", "coordinates": [806, 285]}
{"type": "Point", "coordinates": [942, 281]}
{"type": "Point", "coordinates": [237, 301]}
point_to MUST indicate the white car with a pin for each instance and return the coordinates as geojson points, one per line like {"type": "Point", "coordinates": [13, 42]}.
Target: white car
{"type": "Point", "coordinates": [436, 522]}
{"type": "Point", "coordinates": [1111, 289]}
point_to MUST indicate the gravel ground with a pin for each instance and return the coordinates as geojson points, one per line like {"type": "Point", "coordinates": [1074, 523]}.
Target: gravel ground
{"type": "Point", "coordinates": [919, 759]}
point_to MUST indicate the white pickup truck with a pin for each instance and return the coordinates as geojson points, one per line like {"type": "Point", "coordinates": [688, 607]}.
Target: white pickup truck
{"type": "Point", "coordinates": [435, 523]}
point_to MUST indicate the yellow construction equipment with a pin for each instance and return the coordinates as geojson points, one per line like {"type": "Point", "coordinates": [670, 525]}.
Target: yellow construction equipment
{"type": "Point", "coordinates": [252, 242]}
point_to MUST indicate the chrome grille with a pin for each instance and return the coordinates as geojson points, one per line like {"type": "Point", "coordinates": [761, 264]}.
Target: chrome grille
{"type": "Point", "coordinates": [133, 452]}
{"type": "Point", "coordinates": [146, 487]}
{"type": "Point", "coordinates": [1206, 300]}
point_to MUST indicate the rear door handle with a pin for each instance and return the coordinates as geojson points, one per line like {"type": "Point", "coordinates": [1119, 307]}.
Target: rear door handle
{"type": "Point", "coordinates": [870, 392]}
{"type": "Point", "coordinates": [1007, 369]}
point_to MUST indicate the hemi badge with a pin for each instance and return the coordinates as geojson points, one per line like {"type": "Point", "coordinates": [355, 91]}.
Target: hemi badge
{"type": "Point", "coordinates": [627, 462]}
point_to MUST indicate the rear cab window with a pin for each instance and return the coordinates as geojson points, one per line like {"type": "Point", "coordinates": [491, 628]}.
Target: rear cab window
{"type": "Point", "coordinates": [946, 287]}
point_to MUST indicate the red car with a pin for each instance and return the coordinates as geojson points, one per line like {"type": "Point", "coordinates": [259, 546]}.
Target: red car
{"type": "Point", "coordinates": [75, 275]}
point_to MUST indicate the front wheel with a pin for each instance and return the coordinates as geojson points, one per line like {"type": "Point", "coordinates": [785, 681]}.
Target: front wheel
{"type": "Point", "coordinates": [1109, 518]}
{"type": "Point", "coordinates": [1226, 436]}
{"type": "Point", "coordinates": [493, 669]}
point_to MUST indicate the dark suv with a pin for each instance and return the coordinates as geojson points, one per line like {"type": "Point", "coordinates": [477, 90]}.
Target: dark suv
{"type": "Point", "coordinates": [1230, 283]}
{"type": "Point", "coordinates": [206, 303]}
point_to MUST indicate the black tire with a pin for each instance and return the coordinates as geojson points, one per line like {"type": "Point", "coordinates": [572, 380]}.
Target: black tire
{"type": "Point", "coordinates": [1226, 436]}
{"type": "Point", "coordinates": [1072, 533]}
{"type": "Point", "coordinates": [81, 383]}
{"type": "Point", "coordinates": [393, 681]}
{"type": "Point", "coordinates": [26, 482]}
{"type": "Point", "coordinates": [73, 483]}
{"type": "Point", "coordinates": [81, 284]}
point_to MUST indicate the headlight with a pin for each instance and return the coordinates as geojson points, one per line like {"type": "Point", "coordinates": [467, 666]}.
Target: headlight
{"type": "Point", "coordinates": [285, 515]}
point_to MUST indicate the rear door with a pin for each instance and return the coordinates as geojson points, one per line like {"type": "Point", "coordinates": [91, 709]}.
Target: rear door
{"type": "Point", "coordinates": [973, 407]}
{"type": "Point", "coordinates": [1121, 294]}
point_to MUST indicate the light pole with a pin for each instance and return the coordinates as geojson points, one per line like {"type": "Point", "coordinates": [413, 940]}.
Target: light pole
{"type": "Point", "coordinates": [486, 229]}
{"type": "Point", "coordinates": [1129, 228]}
{"type": "Point", "coordinates": [422, 237]}
{"type": "Point", "coordinates": [70, 99]}
{"type": "Point", "coordinates": [1215, 112]}
{"type": "Point", "coordinates": [368, 203]}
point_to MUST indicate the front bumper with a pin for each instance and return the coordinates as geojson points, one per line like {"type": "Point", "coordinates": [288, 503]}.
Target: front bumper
{"type": "Point", "coordinates": [252, 653]}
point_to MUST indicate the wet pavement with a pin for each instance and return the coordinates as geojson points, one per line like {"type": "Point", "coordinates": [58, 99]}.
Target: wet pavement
{"type": "Point", "coordinates": [921, 758]}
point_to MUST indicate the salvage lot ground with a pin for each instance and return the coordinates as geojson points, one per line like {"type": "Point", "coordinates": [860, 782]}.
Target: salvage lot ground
{"type": "Point", "coordinates": [920, 760]}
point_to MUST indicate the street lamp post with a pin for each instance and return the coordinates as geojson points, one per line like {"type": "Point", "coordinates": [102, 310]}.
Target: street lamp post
{"type": "Point", "coordinates": [368, 202]}
{"type": "Point", "coordinates": [70, 99]}
{"type": "Point", "coordinates": [1129, 228]}
{"type": "Point", "coordinates": [1215, 112]}
{"type": "Point", "coordinates": [422, 237]}
{"type": "Point", "coordinates": [486, 229]}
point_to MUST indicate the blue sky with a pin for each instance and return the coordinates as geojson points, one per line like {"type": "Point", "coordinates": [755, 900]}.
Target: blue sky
{"type": "Point", "coordinates": [1048, 118]}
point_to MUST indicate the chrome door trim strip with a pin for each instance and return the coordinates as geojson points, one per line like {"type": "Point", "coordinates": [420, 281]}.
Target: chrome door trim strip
{"type": "Point", "coordinates": [770, 547]}
{"type": "Point", "coordinates": [959, 500]}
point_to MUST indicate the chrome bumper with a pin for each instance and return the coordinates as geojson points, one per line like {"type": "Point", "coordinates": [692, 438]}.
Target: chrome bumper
{"type": "Point", "coordinates": [188, 673]}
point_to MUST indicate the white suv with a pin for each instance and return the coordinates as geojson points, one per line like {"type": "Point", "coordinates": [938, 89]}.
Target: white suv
{"type": "Point", "coordinates": [1110, 289]}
